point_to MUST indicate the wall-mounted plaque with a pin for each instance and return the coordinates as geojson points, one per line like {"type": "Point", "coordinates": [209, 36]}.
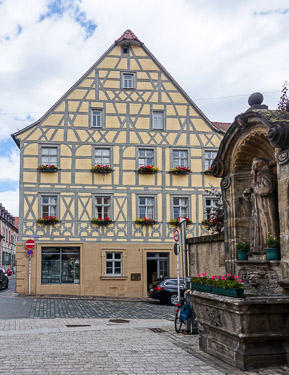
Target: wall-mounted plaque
{"type": "Point", "coordinates": [135, 276]}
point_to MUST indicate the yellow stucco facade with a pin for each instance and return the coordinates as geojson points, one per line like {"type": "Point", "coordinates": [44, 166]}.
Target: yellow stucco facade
{"type": "Point", "coordinates": [126, 111]}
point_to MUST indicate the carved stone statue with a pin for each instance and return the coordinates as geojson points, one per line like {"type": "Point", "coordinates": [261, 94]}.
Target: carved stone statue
{"type": "Point", "coordinates": [262, 195]}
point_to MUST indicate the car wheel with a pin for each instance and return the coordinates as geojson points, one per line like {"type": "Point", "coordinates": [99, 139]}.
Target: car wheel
{"type": "Point", "coordinates": [173, 299]}
{"type": "Point", "coordinates": [6, 286]}
{"type": "Point", "coordinates": [0, 286]}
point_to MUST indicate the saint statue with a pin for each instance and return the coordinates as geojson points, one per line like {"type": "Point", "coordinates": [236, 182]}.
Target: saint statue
{"type": "Point", "coordinates": [262, 195]}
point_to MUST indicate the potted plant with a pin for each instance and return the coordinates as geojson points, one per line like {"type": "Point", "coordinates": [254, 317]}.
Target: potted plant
{"type": "Point", "coordinates": [242, 250]}
{"type": "Point", "coordinates": [101, 221]}
{"type": "Point", "coordinates": [48, 220]}
{"type": "Point", "coordinates": [176, 221]}
{"type": "Point", "coordinates": [102, 169]}
{"type": "Point", "coordinates": [228, 285]}
{"type": "Point", "coordinates": [180, 170]}
{"type": "Point", "coordinates": [272, 248]}
{"type": "Point", "coordinates": [145, 221]}
{"type": "Point", "coordinates": [47, 168]}
{"type": "Point", "coordinates": [148, 169]}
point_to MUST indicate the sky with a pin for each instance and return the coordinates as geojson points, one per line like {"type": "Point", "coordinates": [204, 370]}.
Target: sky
{"type": "Point", "coordinates": [219, 51]}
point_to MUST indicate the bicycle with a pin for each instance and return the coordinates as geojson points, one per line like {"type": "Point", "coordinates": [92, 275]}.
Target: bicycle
{"type": "Point", "coordinates": [183, 313]}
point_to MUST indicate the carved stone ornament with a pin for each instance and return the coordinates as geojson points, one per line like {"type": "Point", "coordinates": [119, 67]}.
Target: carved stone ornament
{"type": "Point", "coordinates": [225, 183]}
{"type": "Point", "coordinates": [241, 121]}
{"type": "Point", "coordinates": [283, 156]}
{"type": "Point", "coordinates": [213, 316]}
{"type": "Point", "coordinates": [217, 168]}
{"type": "Point", "coordinates": [278, 135]}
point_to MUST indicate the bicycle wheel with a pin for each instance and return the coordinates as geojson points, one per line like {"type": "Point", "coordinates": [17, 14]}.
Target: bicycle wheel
{"type": "Point", "coordinates": [178, 321]}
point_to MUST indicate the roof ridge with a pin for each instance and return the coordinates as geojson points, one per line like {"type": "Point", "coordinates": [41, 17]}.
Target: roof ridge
{"type": "Point", "coordinates": [128, 35]}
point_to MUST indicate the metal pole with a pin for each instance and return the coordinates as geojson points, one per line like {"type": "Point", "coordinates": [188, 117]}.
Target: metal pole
{"type": "Point", "coordinates": [29, 279]}
{"type": "Point", "coordinates": [183, 242]}
{"type": "Point", "coordinates": [178, 273]}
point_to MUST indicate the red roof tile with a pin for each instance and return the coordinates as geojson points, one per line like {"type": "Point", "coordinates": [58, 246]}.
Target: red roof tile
{"type": "Point", "coordinates": [128, 35]}
{"type": "Point", "coordinates": [222, 125]}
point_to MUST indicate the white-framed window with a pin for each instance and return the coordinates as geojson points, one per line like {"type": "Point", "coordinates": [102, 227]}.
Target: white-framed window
{"type": "Point", "coordinates": [113, 264]}
{"type": "Point", "coordinates": [210, 155]}
{"type": "Point", "coordinates": [48, 205]}
{"type": "Point", "coordinates": [210, 206]}
{"type": "Point", "coordinates": [146, 207]}
{"type": "Point", "coordinates": [49, 155]}
{"type": "Point", "coordinates": [102, 207]}
{"type": "Point", "coordinates": [180, 158]}
{"type": "Point", "coordinates": [180, 207]}
{"type": "Point", "coordinates": [102, 156]}
{"type": "Point", "coordinates": [128, 80]}
{"type": "Point", "coordinates": [145, 157]}
{"type": "Point", "coordinates": [158, 120]}
{"type": "Point", "coordinates": [96, 118]}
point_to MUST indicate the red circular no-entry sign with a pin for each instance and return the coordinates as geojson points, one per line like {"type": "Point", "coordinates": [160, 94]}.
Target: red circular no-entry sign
{"type": "Point", "coordinates": [30, 244]}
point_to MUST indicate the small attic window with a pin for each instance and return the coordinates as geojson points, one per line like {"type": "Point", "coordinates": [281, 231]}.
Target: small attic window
{"type": "Point", "coordinates": [125, 50]}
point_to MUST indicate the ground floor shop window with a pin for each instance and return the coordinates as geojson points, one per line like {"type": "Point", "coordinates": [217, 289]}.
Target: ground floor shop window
{"type": "Point", "coordinates": [60, 265]}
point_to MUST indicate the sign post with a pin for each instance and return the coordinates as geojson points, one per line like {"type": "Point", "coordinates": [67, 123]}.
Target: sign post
{"type": "Point", "coordinates": [183, 242]}
{"type": "Point", "coordinates": [177, 252]}
{"type": "Point", "coordinates": [29, 244]}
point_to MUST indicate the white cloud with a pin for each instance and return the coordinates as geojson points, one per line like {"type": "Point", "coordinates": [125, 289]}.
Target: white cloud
{"type": "Point", "coordinates": [9, 165]}
{"type": "Point", "coordinates": [10, 200]}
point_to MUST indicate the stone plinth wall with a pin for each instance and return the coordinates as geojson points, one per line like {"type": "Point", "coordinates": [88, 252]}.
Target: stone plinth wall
{"type": "Point", "coordinates": [207, 254]}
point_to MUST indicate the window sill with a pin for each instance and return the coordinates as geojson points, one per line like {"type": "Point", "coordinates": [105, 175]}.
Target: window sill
{"type": "Point", "coordinates": [113, 277]}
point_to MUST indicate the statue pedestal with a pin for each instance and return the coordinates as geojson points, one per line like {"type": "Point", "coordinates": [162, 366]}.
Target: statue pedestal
{"type": "Point", "coordinates": [260, 276]}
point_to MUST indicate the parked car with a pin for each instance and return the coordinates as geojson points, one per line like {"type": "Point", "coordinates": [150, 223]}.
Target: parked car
{"type": "Point", "coordinates": [4, 281]}
{"type": "Point", "coordinates": [166, 290]}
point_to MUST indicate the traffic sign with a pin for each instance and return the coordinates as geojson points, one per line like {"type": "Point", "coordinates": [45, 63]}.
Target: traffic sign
{"type": "Point", "coordinates": [176, 248]}
{"type": "Point", "coordinates": [176, 235]}
{"type": "Point", "coordinates": [30, 244]}
{"type": "Point", "coordinates": [29, 253]}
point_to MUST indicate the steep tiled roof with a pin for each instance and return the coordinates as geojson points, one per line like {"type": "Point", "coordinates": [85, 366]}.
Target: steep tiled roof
{"type": "Point", "coordinates": [128, 35]}
{"type": "Point", "coordinates": [222, 125]}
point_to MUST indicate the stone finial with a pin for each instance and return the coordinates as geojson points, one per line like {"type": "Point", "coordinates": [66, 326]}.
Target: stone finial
{"type": "Point", "coordinates": [255, 98]}
{"type": "Point", "coordinates": [255, 101]}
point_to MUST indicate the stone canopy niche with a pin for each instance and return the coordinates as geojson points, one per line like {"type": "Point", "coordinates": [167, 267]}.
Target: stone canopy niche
{"type": "Point", "coordinates": [263, 134]}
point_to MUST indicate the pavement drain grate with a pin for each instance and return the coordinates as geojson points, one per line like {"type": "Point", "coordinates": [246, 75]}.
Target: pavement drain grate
{"type": "Point", "coordinates": [157, 330]}
{"type": "Point", "coordinates": [77, 325]}
{"type": "Point", "coordinates": [118, 321]}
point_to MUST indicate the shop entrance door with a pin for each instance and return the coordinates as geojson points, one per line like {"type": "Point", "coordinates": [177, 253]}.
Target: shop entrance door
{"type": "Point", "coordinates": [157, 266]}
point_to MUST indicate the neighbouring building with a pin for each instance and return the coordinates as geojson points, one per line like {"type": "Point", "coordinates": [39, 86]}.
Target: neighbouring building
{"type": "Point", "coordinates": [125, 113]}
{"type": "Point", "coordinates": [8, 239]}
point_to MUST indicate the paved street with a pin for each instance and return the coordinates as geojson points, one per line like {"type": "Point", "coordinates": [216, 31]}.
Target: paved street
{"type": "Point", "coordinates": [62, 336]}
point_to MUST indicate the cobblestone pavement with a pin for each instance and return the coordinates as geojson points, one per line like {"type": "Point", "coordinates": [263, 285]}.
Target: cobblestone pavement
{"type": "Point", "coordinates": [85, 308]}
{"type": "Point", "coordinates": [98, 346]}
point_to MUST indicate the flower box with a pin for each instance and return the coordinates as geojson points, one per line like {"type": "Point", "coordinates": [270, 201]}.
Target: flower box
{"type": "Point", "coordinates": [100, 221]}
{"type": "Point", "coordinates": [230, 292]}
{"type": "Point", "coordinates": [47, 168]}
{"type": "Point", "coordinates": [201, 287]}
{"type": "Point", "coordinates": [242, 254]}
{"type": "Point", "coordinates": [48, 220]}
{"type": "Point", "coordinates": [148, 169]}
{"type": "Point", "coordinates": [102, 169]}
{"type": "Point", "coordinates": [208, 171]}
{"type": "Point", "coordinates": [145, 221]}
{"type": "Point", "coordinates": [180, 171]}
{"type": "Point", "coordinates": [177, 221]}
